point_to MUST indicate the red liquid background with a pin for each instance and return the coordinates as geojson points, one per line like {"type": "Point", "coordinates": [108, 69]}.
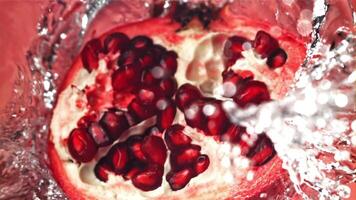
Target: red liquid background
{"type": "Point", "coordinates": [18, 21]}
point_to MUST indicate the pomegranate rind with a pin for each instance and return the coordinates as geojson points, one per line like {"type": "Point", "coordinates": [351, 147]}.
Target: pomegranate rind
{"type": "Point", "coordinates": [271, 177]}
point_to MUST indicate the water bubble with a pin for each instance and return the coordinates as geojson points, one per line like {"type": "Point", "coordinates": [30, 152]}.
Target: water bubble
{"type": "Point", "coordinates": [209, 109]}
{"type": "Point", "coordinates": [162, 104]}
{"type": "Point", "coordinates": [263, 195]}
{"type": "Point", "coordinates": [246, 46]}
{"type": "Point", "coordinates": [353, 125]}
{"type": "Point", "coordinates": [157, 72]}
{"type": "Point", "coordinates": [341, 100]}
{"type": "Point", "coordinates": [250, 175]}
{"type": "Point", "coordinates": [306, 14]}
{"type": "Point", "coordinates": [304, 27]}
{"type": "Point", "coordinates": [229, 89]}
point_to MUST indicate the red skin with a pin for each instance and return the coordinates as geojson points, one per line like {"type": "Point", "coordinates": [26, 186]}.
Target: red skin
{"type": "Point", "coordinates": [270, 177]}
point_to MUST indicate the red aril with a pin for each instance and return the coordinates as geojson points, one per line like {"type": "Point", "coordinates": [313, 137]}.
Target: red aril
{"type": "Point", "coordinates": [129, 57]}
{"type": "Point", "coordinates": [141, 42]}
{"type": "Point", "coordinates": [194, 115]}
{"type": "Point", "coordinates": [149, 179]}
{"type": "Point", "coordinates": [166, 113]}
{"type": "Point", "coordinates": [233, 49]}
{"type": "Point", "coordinates": [201, 164]}
{"type": "Point", "coordinates": [185, 157]}
{"type": "Point", "coordinates": [252, 92]}
{"type": "Point", "coordinates": [81, 145]}
{"type": "Point", "coordinates": [168, 86]}
{"type": "Point", "coordinates": [264, 44]}
{"type": "Point", "coordinates": [157, 56]}
{"type": "Point", "coordinates": [135, 147]}
{"type": "Point", "coordinates": [114, 122]}
{"type": "Point", "coordinates": [186, 94]}
{"type": "Point", "coordinates": [90, 54]}
{"type": "Point", "coordinates": [154, 149]}
{"type": "Point", "coordinates": [175, 137]}
{"type": "Point", "coordinates": [169, 63]}
{"type": "Point", "coordinates": [132, 173]}
{"type": "Point", "coordinates": [100, 137]}
{"type": "Point", "coordinates": [118, 158]}
{"type": "Point", "coordinates": [217, 121]}
{"type": "Point", "coordinates": [116, 42]}
{"type": "Point", "coordinates": [262, 151]}
{"type": "Point", "coordinates": [178, 180]}
{"type": "Point", "coordinates": [277, 58]}
{"type": "Point", "coordinates": [102, 170]}
{"type": "Point", "coordinates": [140, 111]}
{"type": "Point", "coordinates": [126, 78]}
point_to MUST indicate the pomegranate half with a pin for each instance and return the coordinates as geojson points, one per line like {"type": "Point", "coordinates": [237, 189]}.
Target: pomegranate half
{"type": "Point", "coordinates": [141, 113]}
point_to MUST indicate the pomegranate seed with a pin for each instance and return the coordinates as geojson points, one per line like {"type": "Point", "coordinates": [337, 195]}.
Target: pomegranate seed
{"type": "Point", "coordinates": [185, 157]}
{"type": "Point", "coordinates": [232, 49]}
{"type": "Point", "coordinates": [238, 77]}
{"type": "Point", "coordinates": [148, 179]}
{"type": "Point", "coordinates": [169, 63]}
{"type": "Point", "coordinates": [262, 151]}
{"type": "Point", "coordinates": [90, 54]}
{"type": "Point", "coordinates": [147, 59]}
{"type": "Point", "coordinates": [194, 115]}
{"type": "Point", "coordinates": [158, 51]}
{"type": "Point", "coordinates": [168, 86]}
{"type": "Point", "coordinates": [81, 145]}
{"type": "Point", "coordinates": [141, 42]}
{"type": "Point", "coordinates": [252, 92]}
{"type": "Point", "coordinates": [140, 111]}
{"type": "Point", "coordinates": [116, 42]}
{"type": "Point", "coordinates": [135, 147]}
{"type": "Point", "coordinates": [99, 135]}
{"type": "Point", "coordinates": [148, 95]}
{"type": "Point", "coordinates": [118, 158]}
{"type": "Point", "coordinates": [233, 133]}
{"type": "Point", "coordinates": [114, 123]}
{"type": "Point", "coordinates": [186, 94]}
{"type": "Point", "coordinates": [128, 57]}
{"type": "Point", "coordinates": [148, 79]}
{"type": "Point", "coordinates": [132, 173]}
{"type": "Point", "coordinates": [175, 137]}
{"type": "Point", "coordinates": [264, 44]}
{"type": "Point", "coordinates": [154, 149]}
{"type": "Point", "coordinates": [178, 180]}
{"type": "Point", "coordinates": [217, 121]}
{"type": "Point", "coordinates": [125, 78]}
{"type": "Point", "coordinates": [167, 112]}
{"type": "Point", "coordinates": [202, 163]}
{"type": "Point", "coordinates": [277, 58]}
{"type": "Point", "coordinates": [85, 121]}
{"type": "Point", "coordinates": [102, 170]}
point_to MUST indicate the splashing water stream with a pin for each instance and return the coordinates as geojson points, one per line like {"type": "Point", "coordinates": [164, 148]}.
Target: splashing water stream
{"type": "Point", "coordinates": [313, 128]}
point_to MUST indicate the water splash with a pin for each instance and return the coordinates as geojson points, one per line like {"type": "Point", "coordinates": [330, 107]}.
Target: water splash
{"type": "Point", "coordinates": [311, 127]}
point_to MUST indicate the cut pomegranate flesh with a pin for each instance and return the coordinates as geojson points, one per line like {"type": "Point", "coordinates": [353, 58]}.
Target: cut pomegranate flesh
{"type": "Point", "coordinates": [127, 129]}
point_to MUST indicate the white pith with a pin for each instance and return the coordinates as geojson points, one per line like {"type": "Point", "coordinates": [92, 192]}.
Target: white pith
{"type": "Point", "coordinates": [66, 115]}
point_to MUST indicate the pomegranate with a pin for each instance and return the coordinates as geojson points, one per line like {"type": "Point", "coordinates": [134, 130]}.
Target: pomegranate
{"type": "Point", "coordinates": [152, 118]}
